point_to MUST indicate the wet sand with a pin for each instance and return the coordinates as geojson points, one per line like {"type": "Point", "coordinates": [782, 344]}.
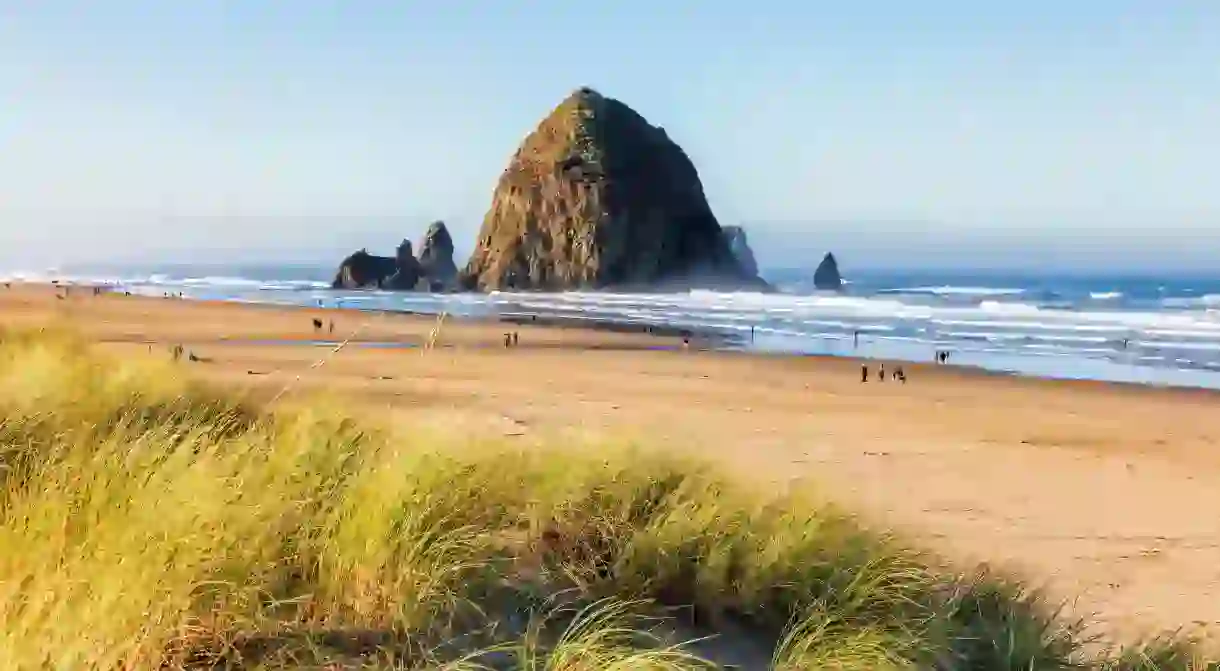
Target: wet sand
{"type": "Point", "coordinates": [1106, 493]}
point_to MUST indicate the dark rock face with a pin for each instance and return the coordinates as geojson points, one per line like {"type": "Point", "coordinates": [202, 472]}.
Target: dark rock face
{"type": "Point", "coordinates": [827, 277]}
{"type": "Point", "coordinates": [436, 258]}
{"type": "Point", "coordinates": [735, 236]}
{"type": "Point", "coordinates": [361, 270]}
{"type": "Point", "coordinates": [407, 271]}
{"type": "Point", "coordinates": [596, 197]}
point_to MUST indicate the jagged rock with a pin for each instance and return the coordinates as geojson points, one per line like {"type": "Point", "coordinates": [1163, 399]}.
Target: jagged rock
{"type": "Point", "coordinates": [436, 258]}
{"type": "Point", "coordinates": [735, 236]}
{"type": "Point", "coordinates": [827, 277]}
{"type": "Point", "coordinates": [596, 197]}
{"type": "Point", "coordinates": [362, 269]}
{"type": "Point", "coordinates": [407, 272]}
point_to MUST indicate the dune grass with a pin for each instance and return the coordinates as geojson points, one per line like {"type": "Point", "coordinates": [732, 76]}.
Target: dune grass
{"type": "Point", "coordinates": [148, 522]}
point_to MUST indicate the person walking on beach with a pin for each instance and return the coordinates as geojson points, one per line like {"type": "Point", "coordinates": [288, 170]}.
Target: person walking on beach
{"type": "Point", "coordinates": [516, 338]}
{"type": "Point", "coordinates": [864, 373]}
{"type": "Point", "coordinates": [900, 375]}
{"type": "Point", "coordinates": [855, 339]}
{"type": "Point", "coordinates": [881, 373]}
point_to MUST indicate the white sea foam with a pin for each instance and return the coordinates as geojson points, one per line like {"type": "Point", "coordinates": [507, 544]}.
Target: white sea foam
{"type": "Point", "coordinates": [1004, 308]}
{"type": "Point", "coordinates": [1206, 301]}
{"type": "Point", "coordinates": [956, 291]}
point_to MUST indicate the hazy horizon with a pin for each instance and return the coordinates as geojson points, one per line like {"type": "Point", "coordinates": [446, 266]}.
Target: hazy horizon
{"type": "Point", "coordinates": [906, 246]}
{"type": "Point", "coordinates": [944, 135]}
{"type": "Point", "coordinates": [868, 245]}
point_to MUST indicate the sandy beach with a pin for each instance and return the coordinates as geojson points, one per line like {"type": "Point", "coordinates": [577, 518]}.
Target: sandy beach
{"type": "Point", "coordinates": [1105, 493]}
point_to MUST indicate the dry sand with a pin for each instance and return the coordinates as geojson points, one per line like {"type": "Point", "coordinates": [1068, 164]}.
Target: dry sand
{"type": "Point", "coordinates": [1108, 494]}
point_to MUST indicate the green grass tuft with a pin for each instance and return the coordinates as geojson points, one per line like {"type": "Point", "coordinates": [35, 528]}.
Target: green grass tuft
{"type": "Point", "coordinates": [148, 522]}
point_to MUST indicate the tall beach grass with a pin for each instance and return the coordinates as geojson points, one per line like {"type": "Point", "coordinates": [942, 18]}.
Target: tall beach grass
{"type": "Point", "coordinates": [149, 522]}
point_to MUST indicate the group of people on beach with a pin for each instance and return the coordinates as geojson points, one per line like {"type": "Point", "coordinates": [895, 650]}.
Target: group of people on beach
{"type": "Point", "coordinates": [941, 356]}
{"type": "Point", "coordinates": [317, 325]}
{"type": "Point", "coordinates": [178, 351]}
{"type": "Point", "coordinates": [511, 339]}
{"type": "Point", "coordinates": [896, 374]}
{"type": "Point", "coordinates": [63, 291]}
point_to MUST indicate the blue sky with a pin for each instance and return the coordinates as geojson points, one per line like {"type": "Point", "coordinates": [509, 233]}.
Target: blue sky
{"type": "Point", "coordinates": [217, 130]}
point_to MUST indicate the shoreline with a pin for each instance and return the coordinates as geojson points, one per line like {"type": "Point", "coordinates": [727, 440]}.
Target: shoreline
{"type": "Point", "coordinates": [702, 340]}
{"type": "Point", "coordinates": [767, 342]}
{"type": "Point", "coordinates": [872, 347]}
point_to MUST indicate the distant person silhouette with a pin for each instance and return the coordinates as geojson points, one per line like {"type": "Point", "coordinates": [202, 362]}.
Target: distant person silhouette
{"type": "Point", "coordinates": [881, 373]}
{"type": "Point", "coordinates": [864, 373]}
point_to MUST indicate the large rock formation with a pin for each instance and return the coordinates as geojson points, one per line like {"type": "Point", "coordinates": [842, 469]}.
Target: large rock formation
{"type": "Point", "coordinates": [827, 277]}
{"type": "Point", "coordinates": [436, 258]}
{"type": "Point", "coordinates": [735, 236]}
{"type": "Point", "coordinates": [596, 197]}
{"type": "Point", "coordinates": [362, 270]}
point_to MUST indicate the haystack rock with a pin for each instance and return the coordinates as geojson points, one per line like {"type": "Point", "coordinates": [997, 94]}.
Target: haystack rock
{"type": "Point", "coordinates": [362, 270]}
{"type": "Point", "coordinates": [436, 258]}
{"type": "Point", "coordinates": [827, 277]}
{"type": "Point", "coordinates": [735, 236]}
{"type": "Point", "coordinates": [407, 272]}
{"type": "Point", "coordinates": [596, 197]}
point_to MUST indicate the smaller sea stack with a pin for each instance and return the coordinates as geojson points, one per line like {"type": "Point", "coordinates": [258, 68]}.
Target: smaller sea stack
{"type": "Point", "coordinates": [827, 277]}
{"type": "Point", "coordinates": [407, 270]}
{"type": "Point", "coordinates": [361, 270]}
{"type": "Point", "coordinates": [436, 258]}
{"type": "Point", "coordinates": [739, 244]}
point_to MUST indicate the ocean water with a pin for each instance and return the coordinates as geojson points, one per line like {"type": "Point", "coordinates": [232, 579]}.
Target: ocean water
{"type": "Point", "coordinates": [1148, 330]}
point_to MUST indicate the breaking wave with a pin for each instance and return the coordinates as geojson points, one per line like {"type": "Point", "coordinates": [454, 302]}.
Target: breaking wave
{"type": "Point", "coordinates": [1007, 327]}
